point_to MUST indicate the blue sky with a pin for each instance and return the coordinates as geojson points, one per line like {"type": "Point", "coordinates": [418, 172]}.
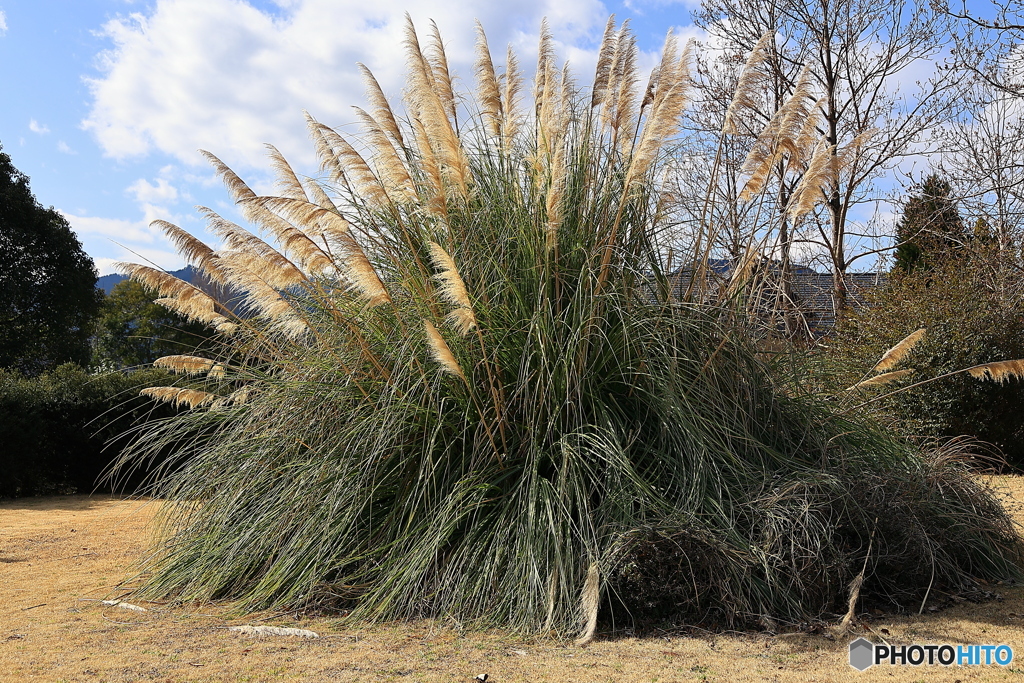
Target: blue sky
{"type": "Point", "coordinates": [105, 102]}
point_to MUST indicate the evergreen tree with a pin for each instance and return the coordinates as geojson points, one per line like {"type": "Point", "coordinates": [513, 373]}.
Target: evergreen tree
{"type": "Point", "coordinates": [48, 282]}
{"type": "Point", "coordinates": [930, 229]}
{"type": "Point", "coordinates": [132, 330]}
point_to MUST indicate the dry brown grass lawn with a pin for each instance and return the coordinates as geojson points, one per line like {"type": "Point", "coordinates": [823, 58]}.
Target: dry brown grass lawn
{"type": "Point", "coordinates": [59, 557]}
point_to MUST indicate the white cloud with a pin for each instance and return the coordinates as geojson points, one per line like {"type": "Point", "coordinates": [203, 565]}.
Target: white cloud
{"type": "Point", "coordinates": [3, 23]}
{"type": "Point", "coordinates": [116, 229]}
{"type": "Point", "coordinates": [639, 6]}
{"type": "Point", "coordinates": [137, 240]}
{"type": "Point", "coordinates": [39, 128]}
{"type": "Point", "coordinates": [161, 193]}
{"type": "Point", "coordinates": [130, 240]}
{"type": "Point", "coordinates": [64, 148]}
{"type": "Point", "coordinates": [224, 76]}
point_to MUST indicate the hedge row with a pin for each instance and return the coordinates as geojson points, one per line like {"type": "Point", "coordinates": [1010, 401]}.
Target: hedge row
{"type": "Point", "coordinates": [60, 431]}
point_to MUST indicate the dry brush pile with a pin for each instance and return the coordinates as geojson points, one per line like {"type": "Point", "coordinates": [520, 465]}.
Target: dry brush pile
{"type": "Point", "coordinates": [454, 383]}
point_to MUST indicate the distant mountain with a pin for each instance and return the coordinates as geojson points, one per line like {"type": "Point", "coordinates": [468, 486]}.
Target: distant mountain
{"type": "Point", "coordinates": [107, 282]}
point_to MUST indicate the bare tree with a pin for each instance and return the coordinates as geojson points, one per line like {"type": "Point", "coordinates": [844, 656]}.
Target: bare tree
{"type": "Point", "coordinates": [860, 53]}
{"type": "Point", "coordinates": [988, 37]}
{"type": "Point", "coordinates": [983, 157]}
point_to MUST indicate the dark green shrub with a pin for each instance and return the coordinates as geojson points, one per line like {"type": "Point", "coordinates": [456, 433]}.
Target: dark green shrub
{"type": "Point", "coordinates": [973, 314]}
{"type": "Point", "coordinates": [61, 430]}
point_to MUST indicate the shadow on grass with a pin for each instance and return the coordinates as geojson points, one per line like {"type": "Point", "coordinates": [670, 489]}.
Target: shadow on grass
{"type": "Point", "coordinates": [70, 503]}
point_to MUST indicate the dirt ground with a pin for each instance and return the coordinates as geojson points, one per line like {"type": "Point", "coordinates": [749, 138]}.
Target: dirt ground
{"type": "Point", "coordinates": [60, 557]}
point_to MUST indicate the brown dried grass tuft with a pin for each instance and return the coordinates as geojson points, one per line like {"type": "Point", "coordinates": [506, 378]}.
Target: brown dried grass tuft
{"type": "Point", "coordinates": [589, 603]}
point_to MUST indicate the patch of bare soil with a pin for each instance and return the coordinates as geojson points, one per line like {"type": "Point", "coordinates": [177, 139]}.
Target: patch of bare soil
{"type": "Point", "coordinates": [61, 557]}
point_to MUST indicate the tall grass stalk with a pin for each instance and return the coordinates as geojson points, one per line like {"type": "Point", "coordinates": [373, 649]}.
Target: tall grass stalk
{"type": "Point", "coordinates": [458, 386]}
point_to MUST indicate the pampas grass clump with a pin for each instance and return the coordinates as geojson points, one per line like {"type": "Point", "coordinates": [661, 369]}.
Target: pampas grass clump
{"type": "Point", "coordinates": [456, 386]}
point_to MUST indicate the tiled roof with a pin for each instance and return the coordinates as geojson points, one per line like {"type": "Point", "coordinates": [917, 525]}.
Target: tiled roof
{"type": "Point", "coordinates": [813, 299]}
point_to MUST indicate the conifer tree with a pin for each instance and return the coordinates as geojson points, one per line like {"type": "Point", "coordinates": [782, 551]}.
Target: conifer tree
{"type": "Point", "coordinates": [931, 229]}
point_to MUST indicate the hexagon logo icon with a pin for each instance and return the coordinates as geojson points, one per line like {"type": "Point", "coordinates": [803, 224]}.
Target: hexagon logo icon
{"type": "Point", "coordinates": [862, 654]}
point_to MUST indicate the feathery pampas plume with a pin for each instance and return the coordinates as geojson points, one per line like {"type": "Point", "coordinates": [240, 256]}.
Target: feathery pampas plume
{"type": "Point", "coordinates": [427, 102]}
{"type": "Point", "coordinates": [179, 296]}
{"type": "Point", "coordinates": [292, 240]}
{"type": "Point", "coordinates": [620, 99]}
{"type": "Point", "coordinates": [389, 165]}
{"type": "Point", "coordinates": [897, 353]}
{"type": "Point", "coordinates": [668, 103]}
{"type": "Point", "coordinates": [442, 76]}
{"type": "Point", "coordinates": [488, 89]}
{"type": "Point", "coordinates": [192, 250]}
{"type": "Point", "coordinates": [440, 352]}
{"type": "Point", "coordinates": [380, 107]}
{"type": "Point", "coordinates": [545, 63]}
{"type": "Point", "coordinates": [748, 86]}
{"type": "Point", "coordinates": [267, 263]}
{"type": "Point", "coordinates": [510, 99]}
{"type": "Point", "coordinates": [180, 397]}
{"type": "Point", "coordinates": [238, 397]}
{"type": "Point", "coordinates": [999, 372]}
{"type": "Point", "coordinates": [779, 138]}
{"type": "Point", "coordinates": [453, 290]}
{"type": "Point", "coordinates": [288, 184]}
{"type": "Point", "coordinates": [812, 186]}
{"type": "Point", "coordinates": [879, 380]}
{"type": "Point", "coordinates": [346, 164]}
{"type": "Point", "coordinates": [187, 365]}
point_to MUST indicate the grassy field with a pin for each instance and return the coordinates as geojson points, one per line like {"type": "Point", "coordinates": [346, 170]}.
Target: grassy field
{"type": "Point", "coordinates": [60, 557]}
